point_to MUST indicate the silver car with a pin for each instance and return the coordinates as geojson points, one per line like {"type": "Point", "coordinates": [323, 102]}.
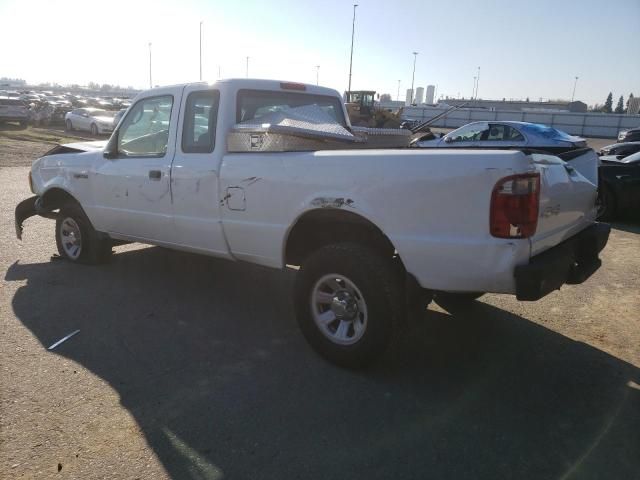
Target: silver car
{"type": "Point", "coordinates": [507, 135]}
{"type": "Point", "coordinates": [95, 120]}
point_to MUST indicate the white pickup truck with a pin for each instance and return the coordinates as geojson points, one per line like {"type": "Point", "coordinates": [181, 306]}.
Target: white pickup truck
{"type": "Point", "coordinates": [198, 168]}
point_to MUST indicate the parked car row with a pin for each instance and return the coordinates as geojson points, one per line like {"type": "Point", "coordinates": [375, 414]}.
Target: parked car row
{"type": "Point", "coordinates": [45, 107]}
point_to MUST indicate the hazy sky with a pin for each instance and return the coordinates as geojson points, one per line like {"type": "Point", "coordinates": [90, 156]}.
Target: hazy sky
{"type": "Point", "coordinates": [524, 48]}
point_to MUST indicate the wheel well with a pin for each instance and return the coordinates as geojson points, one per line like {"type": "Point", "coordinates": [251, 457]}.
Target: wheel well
{"type": "Point", "coordinates": [55, 198]}
{"type": "Point", "coordinates": [321, 227]}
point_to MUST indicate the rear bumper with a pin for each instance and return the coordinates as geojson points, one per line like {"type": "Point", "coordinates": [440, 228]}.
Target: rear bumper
{"type": "Point", "coordinates": [572, 262]}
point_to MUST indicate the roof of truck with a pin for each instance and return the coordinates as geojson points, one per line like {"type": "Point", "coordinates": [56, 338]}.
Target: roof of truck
{"type": "Point", "coordinates": [264, 84]}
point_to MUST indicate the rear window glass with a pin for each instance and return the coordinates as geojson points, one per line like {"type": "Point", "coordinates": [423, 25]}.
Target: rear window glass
{"type": "Point", "coordinates": [547, 132]}
{"type": "Point", "coordinates": [256, 103]}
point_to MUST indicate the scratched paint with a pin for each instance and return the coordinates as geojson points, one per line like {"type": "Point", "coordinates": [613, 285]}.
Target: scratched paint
{"type": "Point", "coordinates": [332, 202]}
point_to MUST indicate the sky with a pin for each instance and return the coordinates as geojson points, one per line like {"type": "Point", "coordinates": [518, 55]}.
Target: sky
{"type": "Point", "coordinates": [524, 49]}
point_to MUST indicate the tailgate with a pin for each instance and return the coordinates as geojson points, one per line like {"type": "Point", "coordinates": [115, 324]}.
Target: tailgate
{"type": "Point", "coordinates": [567, 202]}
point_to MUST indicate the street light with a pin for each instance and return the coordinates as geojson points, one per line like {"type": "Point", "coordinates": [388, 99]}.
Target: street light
{"type": "Point", "coordinates": [473, 92]}
{"type": "Point", "coordinates": [200, 50]}
{"type": "Point", "coordinates": [150, 79]}
{"type": "Point", "coordinates": [415, 56]}
{"type": "Point", "coordinates": [247, 74]}
{"type": "Point", "coordinates": [398, 94]}
{"type": "Point", "coordinates": [574, 89]}
{"type": "Point", "coordinates": [353, 30]}
{"type": "Point", "coordinates": [478, 83]}
{"type": "Point", "coordinates": [317, 74]}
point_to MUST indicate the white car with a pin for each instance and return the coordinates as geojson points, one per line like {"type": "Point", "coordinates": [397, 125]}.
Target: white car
{"type": "Point", "coordinates": [272, 173]}
{"type": "Point", "coordinates": [94, 120]}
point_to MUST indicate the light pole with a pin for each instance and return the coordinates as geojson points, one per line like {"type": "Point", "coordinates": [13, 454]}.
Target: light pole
{"type": "Point", "coordinates": [478, 83]}
{"type": "Point", "coordinates": [353, 30]}
{"type": "Point", "coordinates": [317, 74]}
{"type": "Point", "coordinates": [200, 50]}
{"type": "Point", "coordinates": [150, 79]}
{"type": "Point", "coordinates": [398, 94]}
{"type": "Point", "coordinates": [574, 89]}
{"type": "Point", "coordinates": [247, 74]}
{"type": "Point", "coordinates": [413, 76]}
{"type": "Point", "coordinates": [473, 92]}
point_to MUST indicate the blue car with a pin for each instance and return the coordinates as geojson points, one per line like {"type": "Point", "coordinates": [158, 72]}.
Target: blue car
{"type": "Point", "coordinates": [500, 134]}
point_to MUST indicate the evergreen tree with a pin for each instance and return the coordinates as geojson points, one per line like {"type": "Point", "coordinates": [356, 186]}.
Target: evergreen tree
{"type": "Point", "coordinates": [626, 110]}
{"type": "Point", "coordinates": [608, 104]}
{"type": "Point", "coordinates": [620, 105]}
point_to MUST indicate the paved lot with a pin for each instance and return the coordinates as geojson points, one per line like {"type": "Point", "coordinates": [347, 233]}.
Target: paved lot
{"type": "Point", "coordinates": [187, 367]}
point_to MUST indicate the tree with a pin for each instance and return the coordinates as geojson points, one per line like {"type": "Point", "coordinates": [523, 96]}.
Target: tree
{"type": "Point", "coordinates": [620, 105]}
{"type": "Point", "coordinates": [626, 110]}
{"type": "Point", "coordinates": [608, 104]}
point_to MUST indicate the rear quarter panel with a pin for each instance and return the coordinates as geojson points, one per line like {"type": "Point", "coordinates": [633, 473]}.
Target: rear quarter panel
{"type": "Point", "coordinates": [433, 206]}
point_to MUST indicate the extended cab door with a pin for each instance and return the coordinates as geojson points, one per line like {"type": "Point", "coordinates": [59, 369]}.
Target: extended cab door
{"type": "Point", "coordinates": [132, 187]}
{"type": "Point", "coordinates": [195, 173]}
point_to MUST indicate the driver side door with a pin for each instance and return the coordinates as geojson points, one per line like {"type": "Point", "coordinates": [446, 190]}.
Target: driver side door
{"type": "Point", "coordinates": [137, 180]}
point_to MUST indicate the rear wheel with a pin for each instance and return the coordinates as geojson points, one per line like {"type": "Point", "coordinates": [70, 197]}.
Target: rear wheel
{"type": "Point", "coordinates": [94, 129]}
{"type": "Point", "coordinates": [76, 239]}
{"type": "Point", "coordinates": [348, 303]}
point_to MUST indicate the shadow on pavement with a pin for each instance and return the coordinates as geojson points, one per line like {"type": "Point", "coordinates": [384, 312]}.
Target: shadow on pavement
{"type": "Point", "coordinates": [206, 356]}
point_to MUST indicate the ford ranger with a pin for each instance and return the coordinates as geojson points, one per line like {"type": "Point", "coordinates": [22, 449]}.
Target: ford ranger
{"type": "Point", "coordinates": [273, 173]}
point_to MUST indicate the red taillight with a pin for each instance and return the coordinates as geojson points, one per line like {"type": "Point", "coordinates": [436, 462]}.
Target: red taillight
{"type": "Point", "coordinates": [514, 206]}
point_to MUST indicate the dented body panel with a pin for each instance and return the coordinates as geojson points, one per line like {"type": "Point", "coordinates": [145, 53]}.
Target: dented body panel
{"type": "Point", "coordinates": [432, 204]}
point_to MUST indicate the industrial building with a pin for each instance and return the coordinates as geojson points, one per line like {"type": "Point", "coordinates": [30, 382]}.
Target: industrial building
{"type": "Point", "coordinates": [419, 96]}
{"type": "Point", "coordinates": [431, 90]}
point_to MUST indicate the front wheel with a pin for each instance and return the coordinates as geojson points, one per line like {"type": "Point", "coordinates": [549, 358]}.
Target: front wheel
{"type": "Point", "coordinates": [348, 303]}
{"type": "Point", "coordinates": [69, 125]}
{"type": "Point", "coordinates": [94, 130]}
{"type": "Point", "coordinates": [76, 239]}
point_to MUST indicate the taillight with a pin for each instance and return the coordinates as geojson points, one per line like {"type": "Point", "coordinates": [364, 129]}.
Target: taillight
{"type": "Point", "coordinates": [514, 206]}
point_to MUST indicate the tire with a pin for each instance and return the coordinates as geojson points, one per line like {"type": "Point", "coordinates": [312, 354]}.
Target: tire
{"type": "Point", "coordinates": [358, 287]}
{"type": "Point", "coordinates": [606, 203]}
{"type": "Point", "coordinates": [69, 125]}
{"type": "Point", "coordinates": [76, 239]}
{"type": "Point", "coordinates": [459, 299]}
{"type": "Point", "coordinates": [94, 130]}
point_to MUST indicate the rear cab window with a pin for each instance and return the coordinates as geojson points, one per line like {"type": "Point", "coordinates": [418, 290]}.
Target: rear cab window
{"type": "Point", "coordinates": [252, 104]}
{"type": "Point", "coordinates": [200, 121]}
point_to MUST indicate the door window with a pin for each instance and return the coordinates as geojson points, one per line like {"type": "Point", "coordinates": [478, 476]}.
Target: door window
{"type": "Point", "coordinates": [200, 120]}
{"type": "Point", "coordinates": [500, 132]}
{"type": "Point", "coordinates": [145, 129]}
{"type": "Point", "coordinates": [468, 133]}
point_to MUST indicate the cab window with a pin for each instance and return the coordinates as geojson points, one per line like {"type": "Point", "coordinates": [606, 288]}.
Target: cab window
{"type": "Point", "coordinates": [144, 131]}
{"type": "Point", "coordinates": [468, 133]}
{"type": "Point", "coordinates": [253, 104]}
{"type": "Point", "coordinates": [200, 120]}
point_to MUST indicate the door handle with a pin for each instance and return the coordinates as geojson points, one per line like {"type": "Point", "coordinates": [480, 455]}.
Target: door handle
{"type": "Point", "coordinates": [155, 174]}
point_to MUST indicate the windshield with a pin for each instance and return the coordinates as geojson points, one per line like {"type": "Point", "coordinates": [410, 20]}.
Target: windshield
{"type": "Point", "coordinates": [547, 132]}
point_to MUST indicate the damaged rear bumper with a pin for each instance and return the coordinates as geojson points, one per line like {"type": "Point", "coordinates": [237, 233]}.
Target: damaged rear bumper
{"type": "Point", "coordinates": [572, 262]}
{"type": "Point", "coordinates": [28, 208]}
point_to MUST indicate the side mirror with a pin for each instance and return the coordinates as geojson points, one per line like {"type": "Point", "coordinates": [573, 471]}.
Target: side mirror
{"type": "Point", "coordinates": [111, 149]}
